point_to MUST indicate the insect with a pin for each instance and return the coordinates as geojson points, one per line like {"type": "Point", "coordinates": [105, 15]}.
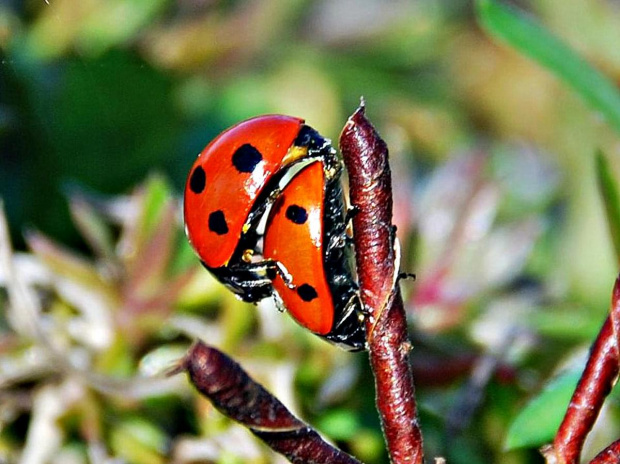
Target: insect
{"type": "Point", "coordinates": [232, 185]}
{"type": "Point", "coordinates": [306, 233]}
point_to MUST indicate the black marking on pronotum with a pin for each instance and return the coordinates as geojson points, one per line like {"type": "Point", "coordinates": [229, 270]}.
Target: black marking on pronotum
{"type": "Point", "coordinates": [198, 180]}
{"type": "Point", "coordinates": [245, 158]}
{"type": "Point", "coordinates": [308, 137]}
{"type": "Point", "coordinates": [217, 222]}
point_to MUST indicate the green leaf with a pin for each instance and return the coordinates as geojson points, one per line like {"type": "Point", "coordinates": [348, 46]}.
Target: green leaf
{"type": "Point", "coordinates": [65, 262]}
{"type": "Point", "coordinates": [115, 22]}
{"type": "Point", "coordinates": [340, 424]}
{"type": "Point", "coordinates": [137, 440]}
{"type": "Point", "coordinates": [93, 227]}
{"type": "Point", "coordinates": [530, 38]}
{"type": "Point", "coordinates": [608, 188]}
{"type": "Point", "coordinates": [566, 322]}
{"type": "Point", "coordinates": [154, 198]}
{"type": "Point", "coordinates": [156, 194]}
{"type": "Point", "coordinates": [184, 257]}
{"type": "Point", "coordinates": [538, 422]}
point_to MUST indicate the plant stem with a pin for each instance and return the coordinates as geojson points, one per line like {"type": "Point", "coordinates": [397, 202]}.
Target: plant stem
{"type": "Point", "coordinates": [366, 158]}
{"type": "Point", "coordinates": [599, 376]}
{"type": "Point", "coordinates": [234, 393]}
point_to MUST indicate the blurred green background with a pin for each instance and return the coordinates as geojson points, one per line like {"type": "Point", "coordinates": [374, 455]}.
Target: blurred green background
{"type": "Point", "coordinates": [497, 206]}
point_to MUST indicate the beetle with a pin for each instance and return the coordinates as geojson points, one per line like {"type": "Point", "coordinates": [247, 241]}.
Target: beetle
{"type": "Point", "coordinates": [230, 186]}
{"type": "Point", "coordinates": [306, 233]}
{"type": "Point", "coordinates": [256, 169]}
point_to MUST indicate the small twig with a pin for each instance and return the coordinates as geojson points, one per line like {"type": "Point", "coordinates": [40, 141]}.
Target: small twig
{"type": "Point", "coordinates": [610, 455]}
{"type": "Point", "coordinates": [366, 158]}
{"type": "Point", "coordinates": [597, 380]}
{"type": "Point", "coordinates": [236, 395]}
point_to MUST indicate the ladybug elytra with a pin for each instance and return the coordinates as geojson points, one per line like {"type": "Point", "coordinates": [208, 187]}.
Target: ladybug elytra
{"type": "Point", "coordinates": [235, 182]}
{"type": "Point", "coordinates": [305, 233]}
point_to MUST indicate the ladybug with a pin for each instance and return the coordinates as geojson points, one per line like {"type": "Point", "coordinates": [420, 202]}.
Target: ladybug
{"type": "Point", "coordinates": [306, 233]}
{"type": "Point", "coordinates": [230, 186]}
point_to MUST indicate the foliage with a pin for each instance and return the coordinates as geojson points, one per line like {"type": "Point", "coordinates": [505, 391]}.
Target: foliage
{"type": "Point", "coordinates": [536, 42]}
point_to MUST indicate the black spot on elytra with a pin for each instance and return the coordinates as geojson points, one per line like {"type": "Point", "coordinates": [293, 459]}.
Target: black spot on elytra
{"type": "Point", "coordinates": [307, 292]}
{"type": "Point", "coordinates": [217, 222]}
{"type": "Point", "coordinates": [198, 180]}
{"type": "Point", "coordinates": [296, 214]}
{"type": "Point", "coordinates": [246, 157]}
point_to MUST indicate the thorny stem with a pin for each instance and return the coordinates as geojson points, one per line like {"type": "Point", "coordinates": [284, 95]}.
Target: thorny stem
{"type": "Point", "coordinates": [597, 380]}
{"type": "Point", "coordinates": [366, 158]}
{"type": "Point", "coordinates": [235, 394]}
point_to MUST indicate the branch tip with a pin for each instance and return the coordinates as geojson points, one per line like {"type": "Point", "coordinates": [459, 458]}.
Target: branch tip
{"type": "Point", "coordinates": [365, 155]}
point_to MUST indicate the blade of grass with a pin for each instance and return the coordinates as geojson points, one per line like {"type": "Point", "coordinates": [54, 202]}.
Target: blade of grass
{"type": "Point", "coordinates": [534, 41]}
{"type": "Point", "coordinates": [538, 421]}
{"type": "Point", "coordinates": [608, 188]}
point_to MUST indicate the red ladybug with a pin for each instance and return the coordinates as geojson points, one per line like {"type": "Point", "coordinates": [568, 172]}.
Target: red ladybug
{"type": "Point", "coordinates": [228, 190]}
{"type": "Point", "coordinates": [305, 233]}
{"type": "Point", "coordinates": [305, 255]}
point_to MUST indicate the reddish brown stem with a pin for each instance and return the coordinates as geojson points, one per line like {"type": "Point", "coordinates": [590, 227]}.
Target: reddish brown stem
{"type": "Point", "coordinates": [598, 378]}
{"type": "Point", "coordinates": [610, 455]}
{"type": "Point", "coordinates": [366, 158]}
{"type": "Point", "coordinates": [236, 395]}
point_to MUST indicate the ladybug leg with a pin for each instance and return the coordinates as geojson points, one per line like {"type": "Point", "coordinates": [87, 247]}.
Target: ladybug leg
{"type": "Point", "coordinates": [400, 275]}
{"type": "Point", "coordinates": [406, 276]}
{"type": "Point", "coordinates": [286, 276]}
{"type": "Point", "coordinates": [362, 310]}
{"type": "Point", "coordinates": [250, 275]}
{"type": "Point", "coordinates": [338, 241]}
{"type": "Point", "coordinates": [394, 238]}
{"type": "Point", "coordinates": [272, 268]}
{"type": "Point", "coordinates": [333, 165]}
{"type": "Point", "coordinates": [348, 217]}
{"type": "Point", "coordinates": [350, 333]}
{"type": "Point", "coordinates": [251, 283]}
{"type": "Point", "coordinates": [341, 238]}
{"type": "Point", "coordinates": [279, 303]}
{"type": "Point", "coordinates": [245, 280]}
{"type": "Point", "coordinates": [351, 213]}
